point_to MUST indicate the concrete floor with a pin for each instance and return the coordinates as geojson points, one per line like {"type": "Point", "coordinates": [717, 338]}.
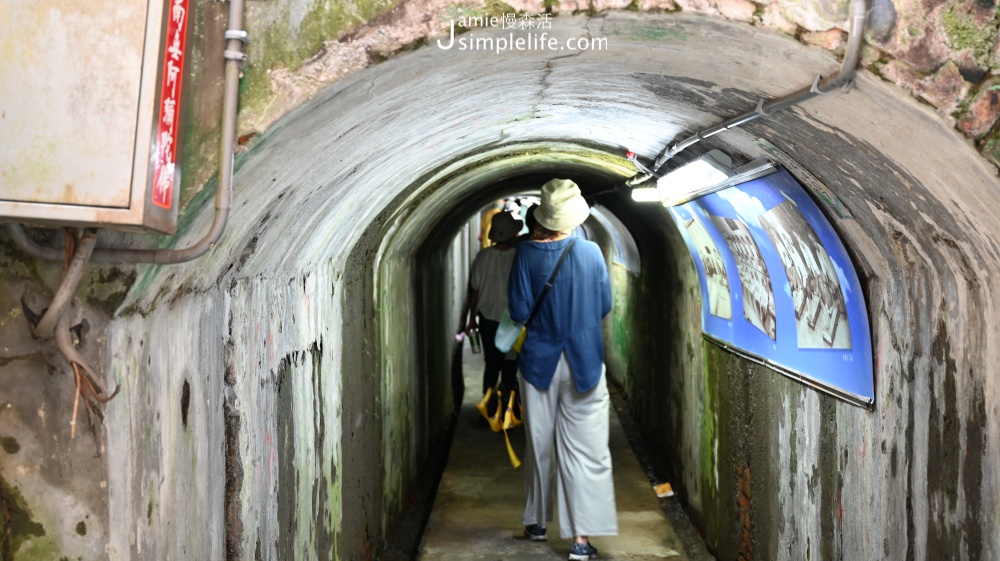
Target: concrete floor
{"type": "Point", "coordinates": [477, 511]}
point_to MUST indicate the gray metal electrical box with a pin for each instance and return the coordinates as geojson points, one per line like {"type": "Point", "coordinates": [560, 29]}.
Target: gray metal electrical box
{"type": "Point", "coordinates": [90, 100]}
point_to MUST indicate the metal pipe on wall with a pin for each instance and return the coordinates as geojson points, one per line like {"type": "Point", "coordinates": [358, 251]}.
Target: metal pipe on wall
{"type": "Point", "coordinates": [819, 86]}
{"type": "Point", "coordinates": [28, 245]}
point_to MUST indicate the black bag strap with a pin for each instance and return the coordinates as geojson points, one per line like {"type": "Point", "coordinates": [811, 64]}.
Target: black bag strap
{"type": "Point", "coordinates": [548, 285]}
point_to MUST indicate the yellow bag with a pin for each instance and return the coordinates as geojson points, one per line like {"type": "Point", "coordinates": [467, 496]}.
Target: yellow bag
{"type": "Point", "coordinates": [496, 420]}
{"type": "Point", "coordinates": [502, 419]}
{"type": "Point", "coordinates": [484, 403]}
{"type": "Point", "coordinates": [510, 420]}
{"type": "Point", "coordinates": [520, 340]}
{"type": "Point", "coordinates": [514, 461]}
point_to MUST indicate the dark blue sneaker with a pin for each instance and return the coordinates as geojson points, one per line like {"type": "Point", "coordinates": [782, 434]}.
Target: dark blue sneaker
{"type": "Point", "coordinates": [535, 533]}
{"type": "Point", "coordinates": [582, 552]}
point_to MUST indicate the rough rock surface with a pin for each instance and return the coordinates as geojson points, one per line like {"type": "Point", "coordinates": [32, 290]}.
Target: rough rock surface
{"type": "Point", "coordinates": [737, 10]}
{"type": "Point", "coordinates": [831, 39]}
{"type": "Point", "coordinates": [984, 111]}
{"type": "Point", "coordinates": [943, 89]}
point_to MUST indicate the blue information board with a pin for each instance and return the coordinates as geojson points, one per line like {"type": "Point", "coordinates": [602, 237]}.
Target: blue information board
{"type": "Point", "coordinates": [778, 285]}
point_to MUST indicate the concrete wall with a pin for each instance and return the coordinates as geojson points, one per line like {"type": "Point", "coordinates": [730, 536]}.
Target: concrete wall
{"type": "Point", "coordinates": [770, 469]}
{"type": "Point", "coordinates": [53, 487]}
{"type": "Point", "coordinates": [773, 470]}
{"type": "Point", "coordinates": [944, 54]}
{"type": "Point", "coordinates": [917, 476]}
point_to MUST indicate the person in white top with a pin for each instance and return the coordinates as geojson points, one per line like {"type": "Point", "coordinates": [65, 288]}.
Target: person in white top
{"type": "Point", "coordinates": [488, 300]}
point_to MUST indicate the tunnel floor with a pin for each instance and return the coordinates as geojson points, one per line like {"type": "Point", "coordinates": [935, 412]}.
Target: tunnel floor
{"type": "Point", "coordinates": [477, 510]}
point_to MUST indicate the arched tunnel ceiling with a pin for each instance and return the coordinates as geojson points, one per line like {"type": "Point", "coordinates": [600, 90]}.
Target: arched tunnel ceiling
{"type": "Point", "coordinates": [308, 187]}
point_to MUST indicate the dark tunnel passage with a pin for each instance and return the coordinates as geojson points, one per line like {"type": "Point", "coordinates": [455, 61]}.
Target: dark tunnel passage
{"type": "Point", "coordinates": [424, 268]}
{"type": "Point", "coordinates": [315, 342]}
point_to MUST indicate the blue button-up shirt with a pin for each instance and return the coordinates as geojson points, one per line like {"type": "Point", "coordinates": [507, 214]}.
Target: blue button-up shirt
{"type": "Point", "coordinates": [570, 317]}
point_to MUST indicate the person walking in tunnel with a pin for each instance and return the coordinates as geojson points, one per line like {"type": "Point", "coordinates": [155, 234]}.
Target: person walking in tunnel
{"type": "Point", "coordinates": [563, 384]}
{"type": "Point", "coordinates": [486, 222]}
{"type": "Point", "coordinates": [488, 300]}
{"type": "Point", "coordinates": [530, 222]}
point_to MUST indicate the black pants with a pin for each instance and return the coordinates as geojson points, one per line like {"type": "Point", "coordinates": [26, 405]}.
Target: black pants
{"type": "Point", "coordinates": [496, 366]}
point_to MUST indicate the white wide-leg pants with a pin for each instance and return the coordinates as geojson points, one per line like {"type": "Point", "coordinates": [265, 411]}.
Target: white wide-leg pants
{"type": "Point", "coordinates": [567, 441]}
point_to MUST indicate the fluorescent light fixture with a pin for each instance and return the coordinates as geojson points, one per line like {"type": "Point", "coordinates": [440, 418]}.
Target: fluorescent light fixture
{"type": "Point", "coordinates": [708, 174]}
{"type": "Point", "coordinates": [647, 194]}
{"type": "Point", "coordinates": [710, 169]}
{"type": "Point", "coordinates": [753, 170]}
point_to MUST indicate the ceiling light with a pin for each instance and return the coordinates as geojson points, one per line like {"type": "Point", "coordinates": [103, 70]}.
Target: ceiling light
{"type": "Point", "coordinates": [710, 173]}
{"type": "Point", "coordinates": [710, 169]}
{"type": "Point", "coordinates": [753, 170]}
{"type": "Point", "coordinates": [647, 194]}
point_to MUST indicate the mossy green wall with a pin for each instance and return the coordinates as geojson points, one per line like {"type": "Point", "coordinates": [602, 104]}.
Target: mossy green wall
{"type": "Point", "coordinates": [49, 481]}
{"type": "Point", "coordinates": [283, 35]}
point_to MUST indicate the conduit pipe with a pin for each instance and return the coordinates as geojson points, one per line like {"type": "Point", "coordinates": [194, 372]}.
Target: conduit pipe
{"type": "Point", "coordinates": [29, 246]}
{"type": "Point", "coordinates": [67, 287]}
{"type": "Point", "coordinates": [235, 57]}
{"type": "Point", "coordinates": [819, 86]}
{"type": "Point", "coordinates": [64, 341]}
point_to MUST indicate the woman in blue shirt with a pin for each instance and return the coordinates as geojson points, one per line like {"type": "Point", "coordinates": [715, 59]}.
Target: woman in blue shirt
{"type": "Point", "coordinates": [563, 387]}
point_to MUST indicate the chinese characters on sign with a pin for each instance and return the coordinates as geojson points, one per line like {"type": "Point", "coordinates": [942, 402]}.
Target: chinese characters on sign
{"type": "Point", "coordinates": [170, 93]}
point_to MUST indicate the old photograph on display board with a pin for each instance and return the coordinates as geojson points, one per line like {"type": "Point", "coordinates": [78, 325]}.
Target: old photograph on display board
{"type": "Point", "coordinates": [782, 260]}
{"type": "Point", "coordinates": [820, 310]}
{"type": "Point", "coordinates": [719, 303]}
{"type": "Point", "coordinates": [758, 298]}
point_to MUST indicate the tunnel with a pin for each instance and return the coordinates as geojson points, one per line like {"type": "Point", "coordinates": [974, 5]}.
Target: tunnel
{"type": "Point", "coordinates": [283, 396]}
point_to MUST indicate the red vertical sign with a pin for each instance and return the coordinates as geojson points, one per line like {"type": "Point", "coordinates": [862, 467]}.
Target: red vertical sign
{"type": "Point", "coordinates": [170, 93]}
